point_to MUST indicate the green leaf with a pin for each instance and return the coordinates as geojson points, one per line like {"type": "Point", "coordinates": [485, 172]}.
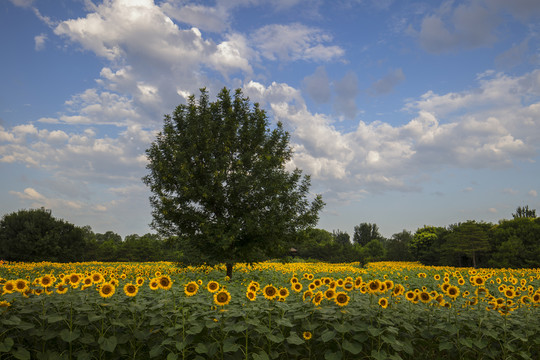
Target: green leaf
{"type": "Point", "coordinates": [328, 335]}
{"type": "Point", "coordinates": [277, 338]}
{"type": "Point", "coordinates": [201, 348]}
{"type": "Point", "coordinates": [284, 322]}
{"type": "Point", "coordinates": [6, 345]}
{"type": "Point", "coordinates": [294, 339]}
{"type": "Point", "coordinates": [194, 329]}
{"type": "Point", "coordinates": [51, 319]}
{"type": "Point", "coordinates": [172, 356]}
{"type": "Point", "coordinates": [373, 331]}
{"type": "Point", "coordinates": [331, 355]}
{"type": "Point", "coordinates": [381, 355]}
{"type": "Point", "coordinates": [342, 328]}
{"type": "Point", "coordinates": [230, 346]}
{"type": "Point", "coordinates": [262, 355]}
{"type": "Point", "coordinates": [446, 346]}
{"type": "Point", "coordinates": [156, 350]}
{"type": "Point", "coordinates": [352, 347]}
{"type": "Point", "coordinates": [466, 342]}
{"type": "Point", "coordinates": [83, 355]}
{"type": "Point", "coordinates": [107, 344]}
{"type": "Point", "coordinates": [13, 320]}
{"type": "Point", "coordinates": [69, 336]}
{"type": "Point", "coordinates": [21, 353]}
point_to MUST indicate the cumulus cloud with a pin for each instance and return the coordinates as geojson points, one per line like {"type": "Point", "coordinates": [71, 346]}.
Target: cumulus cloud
{"type": "Point", "coordinates": [317, 86]}
{"type": "Point", "coordinates": [295, 42]}
{"type": "Point", "coordinates": [532, 193]}
{"type": "Point", "coordinates": [467, 25]}
{"type": "Point", "coordinates": [346, 92]}
{"type": "Point", "coordinates": [387, 83]}
{"type": "Point", "coordinates": [479, 128]}
{"type": "Point", "coordinates": [39, 41]}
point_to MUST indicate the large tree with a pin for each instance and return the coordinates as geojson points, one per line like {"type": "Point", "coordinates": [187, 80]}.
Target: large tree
{"type": "Point", "coordinates": [35, 235]}
{"type": "Point", "coordinates": [219, 183]}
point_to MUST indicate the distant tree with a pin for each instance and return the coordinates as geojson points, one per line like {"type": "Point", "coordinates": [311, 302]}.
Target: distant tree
{"type": "Point", "coordinates": [425, 244]}
{"type": "Point", "coordinates": [109, 236]}
{"type": "Point", "coordinates": [469, 238]}
{"type": "Point", "coordinates": [365, 232]}
{"type": "Point", "coordinates": [219, 183]}
{"type": "Point", "coordinates": [35, 235]}
{"type": "Point", "coordinates": [516, 243]}
{"type": "Point", "coordinates": [524, 212]}
{"type": "Point", "coordinates": [342, 238]}
{"type": "Point", "coordinates": [397, 247]}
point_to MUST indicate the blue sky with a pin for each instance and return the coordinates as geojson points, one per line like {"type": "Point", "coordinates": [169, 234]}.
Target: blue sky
{"type": "Point", "coordinates": [405, 113]}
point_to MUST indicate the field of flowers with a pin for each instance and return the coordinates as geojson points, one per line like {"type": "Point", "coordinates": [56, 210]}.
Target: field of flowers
{"type": "Point", "coordinates": [268, 310]}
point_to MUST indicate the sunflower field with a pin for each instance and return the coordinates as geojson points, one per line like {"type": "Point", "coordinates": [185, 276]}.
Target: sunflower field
{"type": "Point", "coordinates": [386, 310]}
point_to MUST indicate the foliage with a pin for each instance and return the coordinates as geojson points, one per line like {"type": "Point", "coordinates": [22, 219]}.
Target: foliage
{"type": "Point", "coordinates": [366, 232]}
{"type": "Point", "coordinates": [219, 183]}
{"type": "Point", "coordinates": [375, 318]}
{"type": "Point", "coordinates": [35, 235]}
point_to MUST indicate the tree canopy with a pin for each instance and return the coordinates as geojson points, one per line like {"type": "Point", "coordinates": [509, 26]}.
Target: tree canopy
{"type": "Point", "coordinates": [218, 181]}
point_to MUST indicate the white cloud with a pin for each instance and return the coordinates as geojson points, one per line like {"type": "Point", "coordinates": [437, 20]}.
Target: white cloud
{"type": "Point", "coordinates": [295, 42]}
{"type": "Point", "coordinates": [39, 41]}
{"type": "Point", "coordinates": [467, 25]}
{"type": "Point", "coordinates": [317, 85]}
{"type": "Point", "coordinates": [493, 210]}
{"type": "Point", "coordinates": [346, 92]}
{"type": "Point", "coordinates": [387, 83]}
{"type": "Point", "coordinates": [532, 193]}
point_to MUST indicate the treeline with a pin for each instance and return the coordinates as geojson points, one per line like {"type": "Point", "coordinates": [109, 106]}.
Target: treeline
{"type": "Point", "coordinates": [510, 243]}
{"type": "Point", "coordinates": [35, 235]}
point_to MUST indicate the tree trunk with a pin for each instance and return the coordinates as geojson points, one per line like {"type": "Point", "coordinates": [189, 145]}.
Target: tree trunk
{"type": "Point", "coordinates": [229, 270]}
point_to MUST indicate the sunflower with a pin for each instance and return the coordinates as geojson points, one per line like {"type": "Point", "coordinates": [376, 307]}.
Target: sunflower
{"type": "Point", "coordinates": [452, 291]}
{"type": "Point", "coordinates": [425, 297]}
{"type": "Point", "coordinates": [130, 289]}
{"type": "Point", "coordinates": [478, 281]}
{"type": "Point", "coordinates": [139, 281]}
{"type": "Point", "coordinates": [283, 293]}
{"type": "Point", "coordinates": [461, 281]}
{"type": "Point", "coordinates": [297, 287]}
{"type": "Point", "coordinates": [348, 285]}
{"type": "Point", "coordinates": [358, 282]}
{"type": "Point", "coordinates": [9, 287]}
{"type": "Point", "coordinates": [307, 294]}
{"type": "Point", "coordinates": [212, 286]}
{"type": "Point", "coordinates": [374, 286]}
{"type": "Point", "coordinates": [307, 335]}
{"type": "Point", "coordinates": [329, 294]}
{"type": "Point", "coordinates": [61, 288]}
{"type": "Point", "coordinates": [165, 282]}
{"type": "Point", "coordinates": [509, 293]}
{"type": "Point", "coordinates": [21, 285]}
{"type": "Point", "coordinates": [409, 295]}
{"type": "Point", "coordinates": [383, 302]}
{"type": "Point", "coordinates": [222, 297]}
{"type": "Point", "coordinates": [251, 295]}
{"type": "Point", "coordinates": [191, 288]}
{"type": "Point", "coordinates": [437, 277]}
{"type": "Point", "coordinates": [154, 284]}
{"type": "Point", "coordinates": [398, 290]}
{"type": "Point", "coordinates": [5, 303]}
{"type": "Point", "coordinates": [107, 290]}
{"type": "Point", "coordinates": [536, 298]}
{"type": "Point", "coordinates": [317, 298]}
{"type": "Point", "coordinates": [74, 279]}
{"type": "Point", "coordinates": [46, 280]}
{"type": "Point", "coordinates": [269, 292]}
{"type": "Point", "coordinates": [97, 277]}
{"type": "Point", "coordinates": [342, 299]}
